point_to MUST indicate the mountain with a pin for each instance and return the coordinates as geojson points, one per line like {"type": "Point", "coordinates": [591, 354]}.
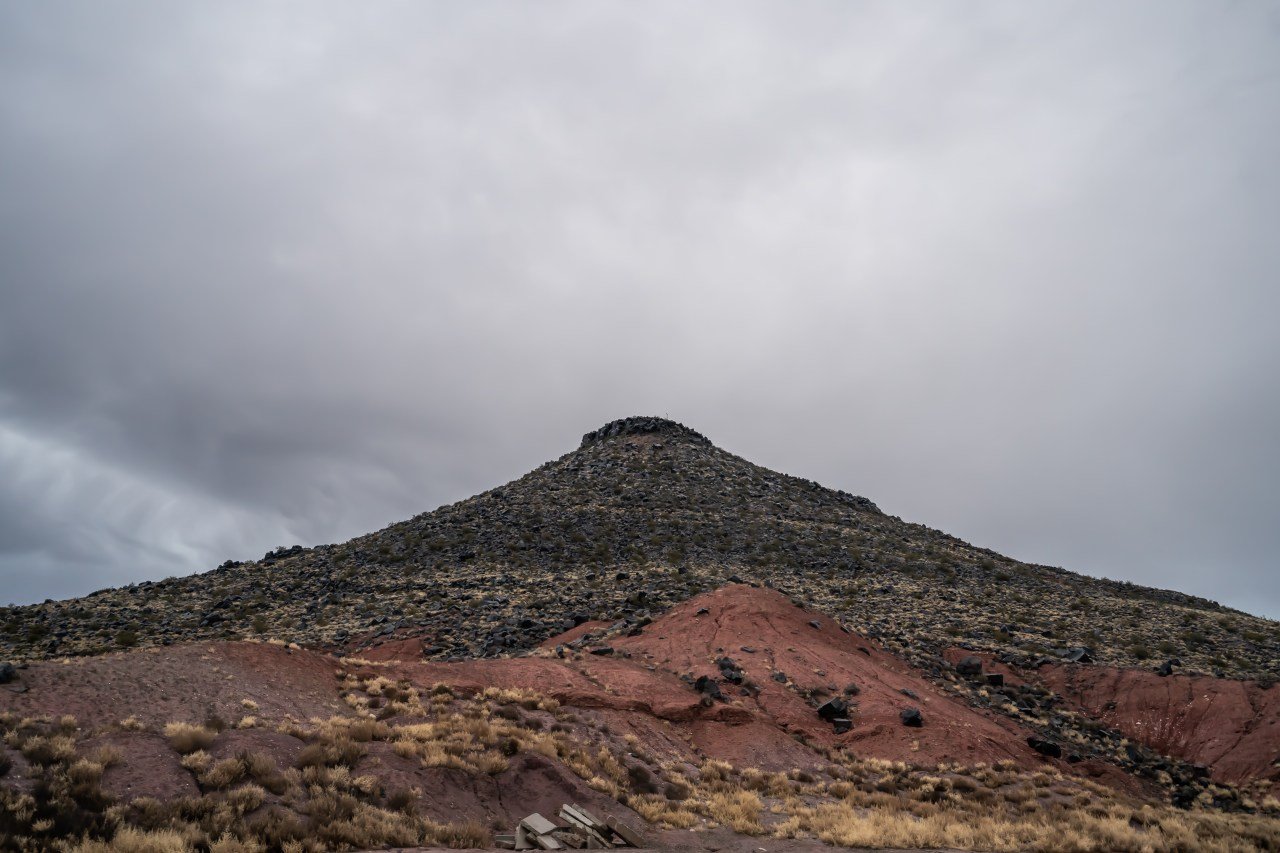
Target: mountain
{"type": "Point", "coordinates": [719, 656]}
{"type": "Point", "coordinates": [644, 514]}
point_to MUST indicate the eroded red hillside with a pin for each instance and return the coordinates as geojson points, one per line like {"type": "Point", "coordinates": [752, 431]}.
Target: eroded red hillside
{"type": "Point", "coordinates": [769, 637]}
{"type": "Point", "coordinates": [634, 697]}
{"type": "Point", "coordinates": [1232, 727]}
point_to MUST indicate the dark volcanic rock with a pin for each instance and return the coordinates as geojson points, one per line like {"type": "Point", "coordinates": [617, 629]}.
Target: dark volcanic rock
{"type": "Point", "coordinates": [644, 426]}
{"type": "Point", "coordinates": [911, 717]}
{"type": "Point", "coordinates": [833, 708]}
{"type": "Point", "coordinates": [1045, 747]}
{"type": "Point", "coordinates": [971, 665]}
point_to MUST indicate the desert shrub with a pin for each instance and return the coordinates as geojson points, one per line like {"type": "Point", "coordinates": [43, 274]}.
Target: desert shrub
{"type": "Point", "coordinates": [186, 738]}
{"type": "Point", "coordinates": [197, 762]}
{"type": "Point", "coordinates": [402, 800]}
{"type": "Point", "coordinates": [228, 843]}
{"type": "Point", "coordinates": [277, 828]}
{"type": "Point", "coordinates": [363, 731]}
{"type": "Point", "coordinates": [223, 774]}
{"type": "Point", "coordinates": [490, 762]}
{"type": "Point", "coordinates": [44, 751]}
{"type": "Point", "coordinates": [469, 834]}
{"type": "Point", "coordinates": [106, 755]}
{"type": "Point", "coordinates": [330, 754]}
{"type": "Point", "coordinates": [261, 768]}
{"type": "Point", "coordinates": [677, 791]}
{"type": "Point", "coordinates": [214, 722]}
{"type": "Point", "coordinates": [739, 810]}
{"type": "Point", "coordinates": [131, 840]}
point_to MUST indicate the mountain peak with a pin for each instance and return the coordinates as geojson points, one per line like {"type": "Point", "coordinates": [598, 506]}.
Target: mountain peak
{"type": "Point", "coordinates": [643, 425]}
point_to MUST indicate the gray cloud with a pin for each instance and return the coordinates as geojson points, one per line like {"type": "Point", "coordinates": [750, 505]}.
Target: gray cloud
{"type": "Point", "coordinates": [287, 272]}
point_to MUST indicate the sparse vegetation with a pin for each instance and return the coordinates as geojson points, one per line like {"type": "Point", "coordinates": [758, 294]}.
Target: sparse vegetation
{"type": "Point", "coordinates": [632, 528]}
{"type": "Point", "coordinates": [185, 737]}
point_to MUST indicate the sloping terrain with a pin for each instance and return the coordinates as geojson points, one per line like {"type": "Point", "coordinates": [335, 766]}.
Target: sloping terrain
{"type": "Point", "coordinates": [649, 624]}
{"type": "Point", "coordinates": [701, 727]}
{"type": "Point", "coordinates": [645, 514]}
{"type": "Point", "coordinates": [1231, 727]}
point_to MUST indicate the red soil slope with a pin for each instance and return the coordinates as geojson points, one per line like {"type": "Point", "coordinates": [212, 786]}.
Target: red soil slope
{"type": "Point", "coordinates": [179, 684]}
{"type": "Point", "coordinates": [642, 689]}
{"type": "Point", "coordinates": [1232, 727]}
{"type": "Point", "coordinates": [820, 660]}
{"type": "Point", "coordinates": [639, 691]}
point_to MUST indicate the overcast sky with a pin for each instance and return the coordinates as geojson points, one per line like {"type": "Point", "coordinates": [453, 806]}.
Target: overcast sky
{"type": "Point", "coordinates": [276, 273]}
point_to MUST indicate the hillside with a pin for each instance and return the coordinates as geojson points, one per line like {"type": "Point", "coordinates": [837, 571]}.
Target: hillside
{"type": "Point", "coordinates": [644, 514]}
{"type": "Point", "coordinates": [736, 721]}
{"type": "Point", "coordinates": [659, 631]}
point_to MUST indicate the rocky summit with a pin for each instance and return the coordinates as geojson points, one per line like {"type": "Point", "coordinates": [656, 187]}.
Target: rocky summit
{"type": "Point", "coordinates": [649, 641]}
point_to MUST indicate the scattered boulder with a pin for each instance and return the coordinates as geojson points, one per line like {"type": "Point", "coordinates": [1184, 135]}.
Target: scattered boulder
{"type": "Point", "coordinates": [709, 688]}
{"type": "Point", "coordinates": [833, 708]}
{"type": "Point", "coordinates": [7, 673]}
{"type": "Point", "coordinates": [971, 665]}
{"type": "Point", "coordinates": [1081, 654]}
{"type": "Point", "coordinates": [1045, 747]}
{"type": "Point", "coordinates": [911, 717]}
{"type": "Point", "coordinates": [1165, 669]}
{"type": "Point", "coordinates": [730, 671]}
{"type": "Point", "coordinates": [836, 712]}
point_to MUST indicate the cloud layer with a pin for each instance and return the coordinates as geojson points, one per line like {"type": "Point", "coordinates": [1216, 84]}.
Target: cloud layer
{"type": "Point", "coordinates": [277, 272]}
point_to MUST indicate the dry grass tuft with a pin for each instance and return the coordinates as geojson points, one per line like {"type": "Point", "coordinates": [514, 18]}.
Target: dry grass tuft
{"type": "Point", "coordinates": [187, 738]}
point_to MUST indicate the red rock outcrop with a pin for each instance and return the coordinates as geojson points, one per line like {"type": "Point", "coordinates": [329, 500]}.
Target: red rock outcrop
{"type": "Point", "coordinates": [1232, 727]}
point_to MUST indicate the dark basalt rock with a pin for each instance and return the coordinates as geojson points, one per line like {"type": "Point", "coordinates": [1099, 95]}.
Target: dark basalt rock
{"type": "Point", "coordinates": [971, 665]}
{"type": "Point", "coordinates": [709, 689]}
{"type": "Point", "coordinates": [730, 671]}
{"type": "Point", "coordinates": [637, 425]}
{"type": "Point", "coordinates": [7, 673]}
{"type": "Point", "coordinates": [1082, 654]}
{"type": "Point", "coordinates": [1045, 747]}
{"type": "Point", "coordinates": [911, 717]}
{"type": "Point", "coordinates": [1166, 669]}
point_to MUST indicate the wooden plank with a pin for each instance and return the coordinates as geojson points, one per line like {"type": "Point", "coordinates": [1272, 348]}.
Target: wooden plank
{"type": "Point", "coordinates": [627, 834]}
{"type": "Point", "coordinates": [569, 838]}
{"type": "Point", "coordinates": [592, 821]}
{"type": "Point", "coordinates": [571, 813]}
{"type": "Point", "coordinates": [538, 824]}
{"type": "Point", "coordinates": [572, 816]}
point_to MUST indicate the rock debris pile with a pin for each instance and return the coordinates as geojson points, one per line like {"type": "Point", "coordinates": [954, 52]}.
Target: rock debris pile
{"type": "Point", "coordinates": [580, 830]}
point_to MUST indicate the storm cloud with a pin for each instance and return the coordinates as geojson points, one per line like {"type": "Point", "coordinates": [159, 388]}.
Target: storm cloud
{"type": "Point", "coordinates": [287, 272]}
